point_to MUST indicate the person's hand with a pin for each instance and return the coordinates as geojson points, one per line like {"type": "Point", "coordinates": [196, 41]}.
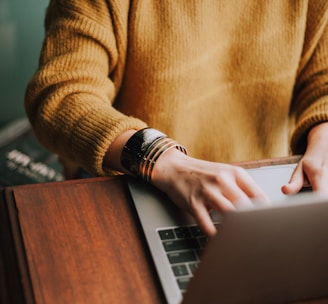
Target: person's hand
{"type": "Point", "coordinates": [195, 185]}
{"type": "Point", "coordinates": [199, 186]}
{"type": "Point", "coordinates": [313, 167]}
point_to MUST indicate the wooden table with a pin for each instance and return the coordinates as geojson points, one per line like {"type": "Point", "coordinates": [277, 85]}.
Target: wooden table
{"type": "Point", "coordinates": [76, 242]}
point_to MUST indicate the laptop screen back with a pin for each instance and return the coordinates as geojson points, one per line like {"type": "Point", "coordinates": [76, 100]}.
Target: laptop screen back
{"type": "Point", "coordinates": [275, 255]}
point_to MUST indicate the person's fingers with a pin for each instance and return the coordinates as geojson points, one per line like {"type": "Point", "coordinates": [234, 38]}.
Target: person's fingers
{"type": "Point", "coordinates": [204, 220]}
{"type": "Point", "coordinates": [237, 196]}
{"type": "Point", "coordinates": [236, 189]}
{"type": "Point", "coordinates": [209, 198]}
{"type": "Point", "coordinates": [251, 189]}
{"type": "Point", "coordinates": [225, 197]}
{"type": "Point", "coordinates": [296, 181]}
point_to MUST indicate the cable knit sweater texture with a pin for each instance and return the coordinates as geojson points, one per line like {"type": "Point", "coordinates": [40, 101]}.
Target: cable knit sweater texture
{"type": "Point", "coordinates": [231, 80]}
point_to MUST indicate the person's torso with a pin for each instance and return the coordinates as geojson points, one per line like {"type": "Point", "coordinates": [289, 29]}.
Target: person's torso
{"type": "Point", "coordinates": [217, 76]}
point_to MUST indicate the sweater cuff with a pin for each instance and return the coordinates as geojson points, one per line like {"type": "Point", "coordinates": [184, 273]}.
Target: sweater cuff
{"type": "Point", "coordinates": [312, 116]}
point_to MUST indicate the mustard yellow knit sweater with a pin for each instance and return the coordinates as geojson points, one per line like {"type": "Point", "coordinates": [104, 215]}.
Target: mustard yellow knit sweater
{"type": "Point", "coordinates": [231, 80]}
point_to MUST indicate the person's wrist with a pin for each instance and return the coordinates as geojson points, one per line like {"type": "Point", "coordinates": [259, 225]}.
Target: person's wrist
{"type": "Point", "coordinates": [168, 166]}
{"type": "Point", "coordinates": [142, 151]}
{"type": "Point", "coordinates": [318, 133]}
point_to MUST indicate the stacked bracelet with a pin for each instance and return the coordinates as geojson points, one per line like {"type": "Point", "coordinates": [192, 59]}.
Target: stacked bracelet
{"type": "Point", "coordinates": [143, 149]}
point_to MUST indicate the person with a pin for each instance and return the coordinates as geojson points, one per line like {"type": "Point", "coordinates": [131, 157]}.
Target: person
{"type": "Point", "coordinates": [175, 92]}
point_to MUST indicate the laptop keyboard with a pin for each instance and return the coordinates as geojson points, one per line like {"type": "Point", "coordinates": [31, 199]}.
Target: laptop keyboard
{"type": "Point", "coordinates": [184, 247]}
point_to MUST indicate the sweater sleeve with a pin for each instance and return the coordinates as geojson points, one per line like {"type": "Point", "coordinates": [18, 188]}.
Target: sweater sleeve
{"type": "Point", "coordinates": [310, 104]}
{"type": "Point", "coordinates": [69, 100]}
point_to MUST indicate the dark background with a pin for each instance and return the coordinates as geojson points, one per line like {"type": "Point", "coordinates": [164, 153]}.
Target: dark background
{"type": "Point", "coordinates": [21, 35]}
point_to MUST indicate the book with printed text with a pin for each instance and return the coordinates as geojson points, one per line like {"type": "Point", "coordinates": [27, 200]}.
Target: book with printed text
{"type": "Point", "coordinates": [23, 160]}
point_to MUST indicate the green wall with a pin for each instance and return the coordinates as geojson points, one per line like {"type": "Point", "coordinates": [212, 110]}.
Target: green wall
{"type": "Point", "coordinates": [21, 35]}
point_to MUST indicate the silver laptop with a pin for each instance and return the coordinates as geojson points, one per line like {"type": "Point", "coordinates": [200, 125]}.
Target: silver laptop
{"type": "Point", "coordinates": [176, 243]}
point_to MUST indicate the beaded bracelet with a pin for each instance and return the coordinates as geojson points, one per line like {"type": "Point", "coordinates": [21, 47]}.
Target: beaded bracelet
{"type": "Point", "coordinates": [143, 149]}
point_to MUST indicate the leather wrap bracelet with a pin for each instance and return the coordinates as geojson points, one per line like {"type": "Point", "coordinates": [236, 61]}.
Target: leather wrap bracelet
{"type": "Point", "coordinates": [143, 149]}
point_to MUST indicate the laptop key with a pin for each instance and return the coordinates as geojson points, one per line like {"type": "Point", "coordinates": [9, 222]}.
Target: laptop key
{"type": "Point", "coordinates": [181, 244]}
{"type": "Point", "coordinates": [182, 257]}
{"type": "Point", "coordinates": [183, 282]}
{"type": "Point", "coordinates": [196, 231]}
{"type": "Point", "coordinates": [180, 270]}
{"type": "Point", "coordinates": [166, 234]}
{"type": "Point", "coordinates": [203, 241]}
{"type": "Point", "coordinates": [193, 267]}
{"type": "Point", "coordinates": [182, 232]}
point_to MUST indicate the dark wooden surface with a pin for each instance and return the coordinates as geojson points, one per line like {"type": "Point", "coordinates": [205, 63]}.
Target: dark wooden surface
{"type": "Point", "coordinates": [78, 242]}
